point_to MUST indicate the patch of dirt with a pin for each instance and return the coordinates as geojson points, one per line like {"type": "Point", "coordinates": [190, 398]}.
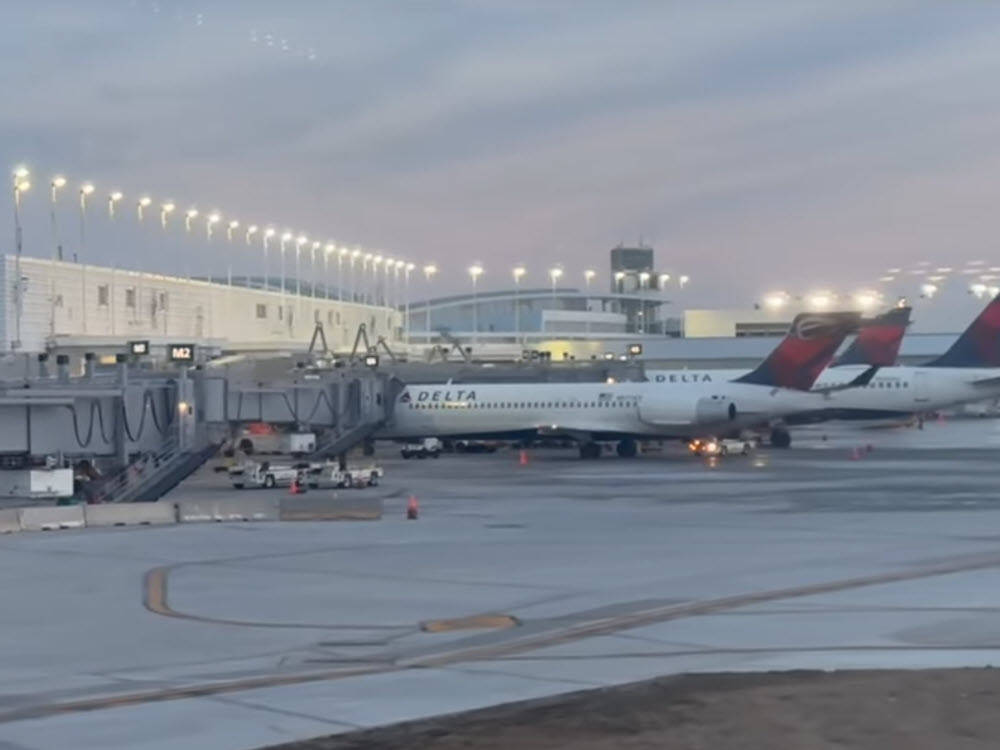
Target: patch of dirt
{"type": "Point", "coordinates": [952, 709]}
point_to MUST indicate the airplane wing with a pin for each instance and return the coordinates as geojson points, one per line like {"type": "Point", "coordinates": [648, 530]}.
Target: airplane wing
{"type": "Point", "coordinates": [860, 381]}
{"type": "Point", "coordinates": [986, 382]}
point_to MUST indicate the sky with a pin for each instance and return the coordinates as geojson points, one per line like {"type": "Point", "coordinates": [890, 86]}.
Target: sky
{"type": "Point", "coordinates": [755, 145]}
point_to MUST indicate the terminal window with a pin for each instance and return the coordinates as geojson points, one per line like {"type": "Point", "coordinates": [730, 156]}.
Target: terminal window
{"type": "Point", "coordinates": [102, 295]}
{"type": "Point", "coordinates": [130, 297]}
{"type": "Point", "coordinates": [261, 312]}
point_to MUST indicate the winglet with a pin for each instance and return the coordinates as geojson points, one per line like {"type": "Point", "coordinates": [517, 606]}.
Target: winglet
{"type": "Point", "coordinates": [805, 351]}
{"type": "Point", "coordinates": [878, 341]}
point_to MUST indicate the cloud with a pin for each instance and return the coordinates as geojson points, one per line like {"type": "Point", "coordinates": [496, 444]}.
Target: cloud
{"type": "Point", "coordinates": [748, 141]}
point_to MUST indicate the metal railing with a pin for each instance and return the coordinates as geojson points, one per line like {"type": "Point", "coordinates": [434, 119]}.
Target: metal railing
{"type": "Point", "coordinates": [150, 468]}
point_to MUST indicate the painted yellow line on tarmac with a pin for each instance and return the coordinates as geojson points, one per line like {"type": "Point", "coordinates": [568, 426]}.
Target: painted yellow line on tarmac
{"type": "Point", "coordinates": [487, 621]}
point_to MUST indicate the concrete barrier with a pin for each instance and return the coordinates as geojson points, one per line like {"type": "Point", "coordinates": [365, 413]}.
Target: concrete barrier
{"type": "Point", "coordinates": [262, 508]}
{"type": "Point", "coordinates": [51, 517]}
{"type": "Point", "coordinates": [10, 521]}
{"type": "Point", "coordinates": [129, 514]}
{"type": "Point", "coordinates": [331, 507]}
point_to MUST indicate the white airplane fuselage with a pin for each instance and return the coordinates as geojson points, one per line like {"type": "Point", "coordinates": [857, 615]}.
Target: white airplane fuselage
{"type": "Point", "coordinates": [590, 411]}
{"type": "Point", "coordinates": [894, 391]}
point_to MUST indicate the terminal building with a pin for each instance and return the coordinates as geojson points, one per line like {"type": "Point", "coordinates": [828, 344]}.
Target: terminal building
{"type": "Point", "coordinates": [634, 304]}
{"type": "Point", "coordinates": [50, 305]}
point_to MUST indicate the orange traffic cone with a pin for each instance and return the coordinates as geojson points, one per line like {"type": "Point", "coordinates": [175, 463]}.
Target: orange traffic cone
{"type": "Point", "coordinates": [295, 488]}
{"type": "Point", "coordinates": [523, 458]}
{"type": "Point", "coordinates": [412, 509]}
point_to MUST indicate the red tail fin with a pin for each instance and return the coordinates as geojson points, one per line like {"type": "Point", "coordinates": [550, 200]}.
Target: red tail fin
{"type": "Point", "coordinates": [805, 351]}
{"type": "Point", "coordinates": [877, 343]}
{"type": "Point", "coordinates": [979, 344]}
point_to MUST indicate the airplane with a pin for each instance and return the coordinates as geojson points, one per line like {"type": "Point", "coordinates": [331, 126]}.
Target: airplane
{"type": "Point", "coordinates": [968, 372]}
{"type": "Point", "coordinates": [876, 345]}
{"type": "Point", "coordinates": [591, 413]}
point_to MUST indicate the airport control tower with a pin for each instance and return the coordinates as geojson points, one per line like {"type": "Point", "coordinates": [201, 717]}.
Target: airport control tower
{"type": "Point", "coordinates": [633, 272]}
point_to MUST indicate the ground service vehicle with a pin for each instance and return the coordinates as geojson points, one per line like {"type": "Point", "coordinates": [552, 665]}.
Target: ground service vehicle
{"type": "Point", "coordinates": [723, 447]}
{"type": "Point", "coordinates": [294, 443]}
{"type": "Point", "coordinates": [360, 477]}
{"type": "Point", "coordinates": [421, 449]}
{"type": "Point", "coordinates": [263, 475]}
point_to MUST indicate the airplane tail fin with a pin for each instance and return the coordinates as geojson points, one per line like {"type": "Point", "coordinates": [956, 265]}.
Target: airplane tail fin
{"type": "Point", "coordinates": [878, 341]}
{"type": "Point", "coordinates": [979, 344]}
{"type": "Point", "coordinates": [805, 351]}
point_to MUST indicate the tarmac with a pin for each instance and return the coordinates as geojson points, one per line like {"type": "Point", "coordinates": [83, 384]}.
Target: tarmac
{"type": "Point", "coordinates": [517, 581]}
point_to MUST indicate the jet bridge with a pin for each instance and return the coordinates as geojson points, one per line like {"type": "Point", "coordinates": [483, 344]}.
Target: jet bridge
{"type": "Point", "coordinates": [133, 433]}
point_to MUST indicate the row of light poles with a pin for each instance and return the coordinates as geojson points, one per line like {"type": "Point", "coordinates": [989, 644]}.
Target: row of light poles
{"type": "Point", "coordinates": [380, 275]}
{"type": "Point", "coordinates": [555, 273]}
{"type": "Point", "coordinates": [476, 270]}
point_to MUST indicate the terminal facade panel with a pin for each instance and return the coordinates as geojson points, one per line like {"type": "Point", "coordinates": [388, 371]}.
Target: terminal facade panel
{"type": "Point", "coordinates": [61, 304]}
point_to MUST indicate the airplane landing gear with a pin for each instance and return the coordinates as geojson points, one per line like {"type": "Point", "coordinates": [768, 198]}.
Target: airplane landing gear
{"type": "Point", "coordinates": [590, 450]}
{"type": "Point", "coordinates": [780, 437]}
{"type": "Point", "coordinates": [627, 448]}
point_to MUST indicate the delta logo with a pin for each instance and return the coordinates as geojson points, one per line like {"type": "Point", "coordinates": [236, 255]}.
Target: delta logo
{"type": "Point", "coordinates": [683, 377]}
{"type": "Point", "coordinates": [438, 395]}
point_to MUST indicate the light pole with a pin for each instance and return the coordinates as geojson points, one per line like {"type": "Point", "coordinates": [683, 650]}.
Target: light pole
{"type": "Point", "coordinates": [366, 287]}
{"type": "Point", "coordinates": [251, 231]}
{"type": "Point", "coordinates": [312, 267]}
{"type": "Point", "coordinates": [21, 185]}
{"type": "Point", "coordinates": [86, 189]}
{"type": "Point", "coordinates": [406, 295]}
{"type": "Point", "coordinates": [299, 242]}
{"type": "Point", "coordinates": [376, 262]}
{"type": "Point", "coordinates": [210, 222]}
{"type": "Point", "coordinates": [588, 277]}
{"type": "Point", "coordinates": [388, 265]}
{"type": "Point", "coordinates": [519, 271]}
{"type": "Point", "coordinates": [143, 203]}
{"type": "Point", "coordinates": [475, 271]}
{"type": "Point", "coordinates": [555, 273]}
{"type": "Point", "coordinates": [268, 234]}
{"type": "Point", "coordinates": [285, 238]}
{"type": "Point", "coordinates": [232, 226]}
{"type": "Point", "coordinates": [354, 256]}
{"type": "Point", "coordinates": [57, 182]}
{"type": "Point", "coordinates": [165, 210]}
{"type": "Point", "coordinates": [113, 198]}
{"type": "Point", "coordinates": [328, 250]}
{"type": "Point", "coordinates": [376, 299]}
{"type": "Point", "coordinates": [429, 270]}
{"type": "Point", "coordinates": [400, 265]}
{"type": "Point", "coordinates": [190, 215]}
{"type": "Point", "coordinates": [340, 273]}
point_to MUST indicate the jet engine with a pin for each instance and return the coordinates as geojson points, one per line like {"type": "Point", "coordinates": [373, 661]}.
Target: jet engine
{"type": "Point", "coordinates": [714, 410]}
{"type": "Point", "coordinates": [670, 411]}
